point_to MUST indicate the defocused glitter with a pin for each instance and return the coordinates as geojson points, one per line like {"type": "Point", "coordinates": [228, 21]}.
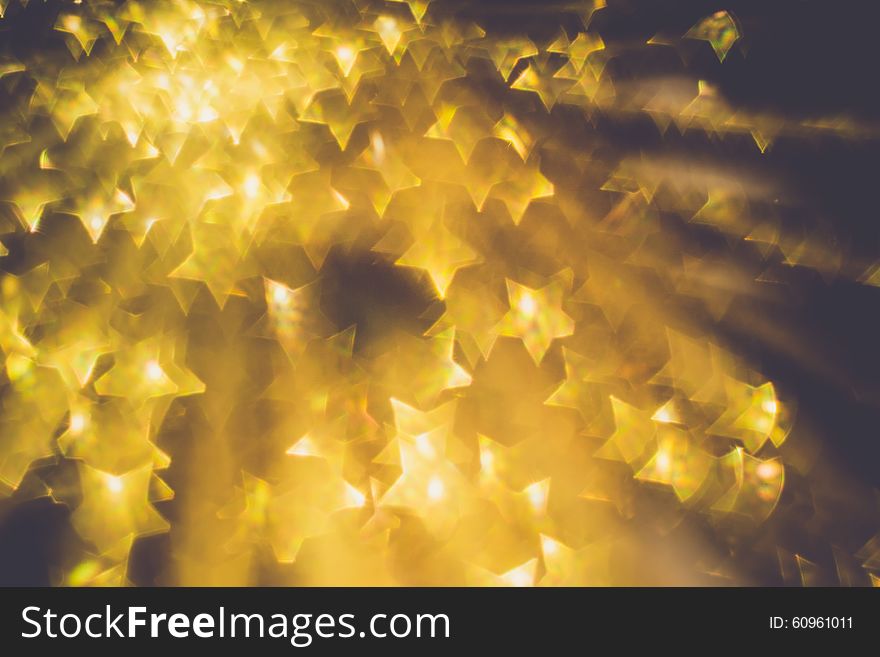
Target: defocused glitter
{"type": "Point", "coordinates": [340, 293]}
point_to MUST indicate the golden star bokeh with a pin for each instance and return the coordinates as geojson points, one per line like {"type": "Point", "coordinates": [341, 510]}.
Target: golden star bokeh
{"type": "Point", "coordinates": [349, 292]}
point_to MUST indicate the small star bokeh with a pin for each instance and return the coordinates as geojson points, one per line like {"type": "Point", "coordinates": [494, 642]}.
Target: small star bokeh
{"type": "Point", "coordinates": [418, 292]}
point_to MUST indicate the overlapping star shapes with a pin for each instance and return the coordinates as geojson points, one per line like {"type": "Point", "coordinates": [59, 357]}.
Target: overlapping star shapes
{"type": "Point", "coordinates": [342, 292]}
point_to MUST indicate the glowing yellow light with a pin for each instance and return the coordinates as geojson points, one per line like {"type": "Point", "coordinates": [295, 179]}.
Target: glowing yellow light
{"type": "Point", "coordinates": [217, 193]}
{"type": "Point", "coordinates": [172, 43]}
{"type": "Point", "coordinates": [509, 130]}
{"type": "Point", "coordinates": [184, 109]}
{"type": "Point", "coordinates": [378, 144]}
{"type": "Point", "coordinates": [548, 546]}
{"type": "Point", "coordinates": [342, 200]}
{"type": "Point", "coordinates": [768, 470]}
{"type": "Point", "coordinates": [423, 444]}
{"type": "Point", "coordinates": [77, 423]}
{"type": "Point", "coordinates": [388, 31]}
{"type": "Point", "coordinates": [520, 579]}
{"type": "Point", "coordinates": [520, 576]}
{"type": "Point", "coordinates": [487, 460]}
{"type": "Point", "coordinates": [252, 185]}
{"type": "Point", "coordinates": [207, 114]}
{"type": "Point", "coordinates": [303, 447]}
{"type": "Point", "coordinates": [354, 497]}
{"type": "Point", "coordinates": [527, 305]}
{"type": "Point", "coordinates": [664, 463]}
{"type": "Point", "coordinates": [436, 489]}
{"type": "Point", "coordinates": [18, 366]}
{"type": "Point", "coordinates": [154, 371]}
{"type": "Point", "coordinates": [441, 174]}
{"type": "Point", "coordinates": [537, 495]}
{"type": "Point", "coordinates": [235, 64]}
{"type": "Point", "coordinates": [45, 160]}
{"type": "Point", "coordinates": [72, 23]}
{"type": "Point", "coordinates": [280, 294]}
{"type": "Point", "coordinates": [346, 56]}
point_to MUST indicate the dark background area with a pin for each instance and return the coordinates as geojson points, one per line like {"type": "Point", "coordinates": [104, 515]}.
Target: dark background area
{"type": "Point", "coordinates": [803, 58]}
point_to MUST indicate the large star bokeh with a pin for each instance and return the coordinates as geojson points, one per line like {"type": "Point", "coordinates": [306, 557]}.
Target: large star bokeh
{"type": "Point", "coordinates": [383, 293]}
